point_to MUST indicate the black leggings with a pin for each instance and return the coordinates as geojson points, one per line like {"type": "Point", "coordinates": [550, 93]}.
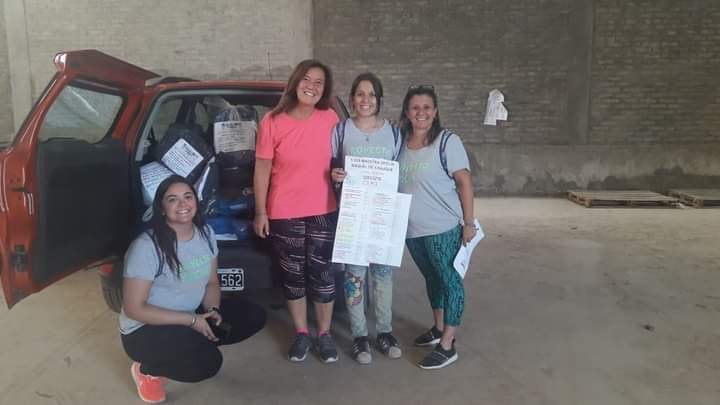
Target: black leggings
{"type": "Point", "coordinates": [304, 248]}
{"type": "Point", "coordinates": [182, 354]}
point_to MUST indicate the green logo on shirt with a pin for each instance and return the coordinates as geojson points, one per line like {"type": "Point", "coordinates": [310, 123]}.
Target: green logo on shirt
{"type": "Point", "coordinates": [196, 269]}
{"type": "Point", "coordinates": [408, 170]}
{"type": "Point", "coordinates": [370, 151]}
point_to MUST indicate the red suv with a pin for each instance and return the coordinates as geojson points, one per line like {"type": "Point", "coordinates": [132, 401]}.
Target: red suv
{"type": "Point", "coordinates": [70, 189]}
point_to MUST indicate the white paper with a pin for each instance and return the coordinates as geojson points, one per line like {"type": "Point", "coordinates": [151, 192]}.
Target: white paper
{"type": "Point", "coordinates": [399, 229]}
{"type": "Point", "coordinates": [495, 108]}
{"type": "Point", "coordinates": [151, 175]}
{"type": "Point", "coordinates": [372, 222]}
{"type": "Point", "coordinates": [234, 136]}
{"type": "Point", "coordinates": [372, 174]}
{"type": "Point", "coordinates": [462, 259]}
{"type": "Point", "coordinates": [182, 158]}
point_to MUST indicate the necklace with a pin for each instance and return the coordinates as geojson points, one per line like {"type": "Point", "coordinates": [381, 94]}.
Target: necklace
{"type": "Point", "coordinates": [368, 129]}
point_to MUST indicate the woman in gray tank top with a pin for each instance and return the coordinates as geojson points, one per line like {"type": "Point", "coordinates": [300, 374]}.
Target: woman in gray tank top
{"type": "Point", "coordinates": [367, 135]}
{"type": "Point", "coordinates": [434, 168]}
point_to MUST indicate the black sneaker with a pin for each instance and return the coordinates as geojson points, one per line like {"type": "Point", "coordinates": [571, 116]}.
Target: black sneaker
{"type": "Point", "coordinates": [326, 347]}
{"type": "Point", "coordinates": [388, 345]}
{"type": "Point", "coordinates": [429, 338]}
{"type": "Point", "coordinates": [439, 358]}
{"type": "Point", "coordinates": [300, 347]}
{"type": "Point", "coordinates": [361, 350]}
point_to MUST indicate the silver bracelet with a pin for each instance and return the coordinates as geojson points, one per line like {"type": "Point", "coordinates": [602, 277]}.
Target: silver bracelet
{"type": "Point", "coordinates": [193, 321]}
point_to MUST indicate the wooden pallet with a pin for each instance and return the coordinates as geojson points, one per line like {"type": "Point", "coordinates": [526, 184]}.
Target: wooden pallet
{"type": "Point", "coordinates": [621, 198]}
{"type": "Point", "coordinates": [698, 198]}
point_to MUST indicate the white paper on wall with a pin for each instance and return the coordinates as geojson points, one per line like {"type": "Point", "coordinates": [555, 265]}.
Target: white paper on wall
{"type": "Point", "coordinates": [495, 108]}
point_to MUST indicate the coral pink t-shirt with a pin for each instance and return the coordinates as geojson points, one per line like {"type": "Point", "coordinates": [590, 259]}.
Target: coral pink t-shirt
{"type": "Point", "coordinates": [300, 151]}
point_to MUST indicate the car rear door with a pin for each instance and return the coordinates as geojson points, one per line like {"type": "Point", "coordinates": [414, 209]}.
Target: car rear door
{"type": "Point", "coordinates": [64, 180]}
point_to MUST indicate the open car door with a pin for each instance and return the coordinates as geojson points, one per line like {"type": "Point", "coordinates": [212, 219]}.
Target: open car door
{"type": "Point", "coordinates": [64, 180]}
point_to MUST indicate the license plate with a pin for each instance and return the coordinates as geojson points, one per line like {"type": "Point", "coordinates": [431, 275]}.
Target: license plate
{"type": "Point", "coordinates": [231, 279]}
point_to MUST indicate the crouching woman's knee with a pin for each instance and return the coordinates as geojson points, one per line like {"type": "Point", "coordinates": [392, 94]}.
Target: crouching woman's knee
{"type": "Point", "coordinates": [206, 365]}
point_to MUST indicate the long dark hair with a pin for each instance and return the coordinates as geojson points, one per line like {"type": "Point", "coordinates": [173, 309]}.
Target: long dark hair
{"type": "Point", "coordinates": [376, 85]}
{"type": "Point", "coordinates": [163, 236]}
{"type": "Point", "coordinates": [406, 125]}
{"type": "Point", "coordinates": [289, 99]}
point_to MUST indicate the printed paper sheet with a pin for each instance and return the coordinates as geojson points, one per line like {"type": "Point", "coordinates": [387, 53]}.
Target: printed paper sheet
{"type": "Point", "coordinates": [372, 221]}
{"type": "Point", "coordinates": [234, 136]}
{"type": "Point", "coordinates": [182, 158]}
{"type": "Point", "coordinates": [151, 175]}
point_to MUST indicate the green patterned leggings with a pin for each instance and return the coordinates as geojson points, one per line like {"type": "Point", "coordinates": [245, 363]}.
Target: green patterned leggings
{"type": "Point", "coordinates": [434, 255]}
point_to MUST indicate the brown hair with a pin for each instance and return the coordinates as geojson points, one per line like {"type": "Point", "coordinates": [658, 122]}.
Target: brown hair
{"type": "Point", "coordinates": [404, 122]}
{"type": "Point", "coordinates": [289, 99]}
{"type": "Point", "coordinates": [376, 85]}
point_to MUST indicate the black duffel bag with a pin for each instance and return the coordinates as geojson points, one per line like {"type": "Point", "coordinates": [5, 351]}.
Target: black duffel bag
{"type": "Point", "coordinates": [183, 150]}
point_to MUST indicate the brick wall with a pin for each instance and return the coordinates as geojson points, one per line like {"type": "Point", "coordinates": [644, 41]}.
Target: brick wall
{"type": "Point", "coordinates": [464, 48]}
{"type": "Point", "coordinates": [6, 118]}
{"type": "Point", "coordinates": [655, 72]}
{"type": "Point", "coordinates": [198, 38]}
{"type": "Point", "coordinates": [600, 93]}
{"type": "Point", "coordinates": [582, 78]}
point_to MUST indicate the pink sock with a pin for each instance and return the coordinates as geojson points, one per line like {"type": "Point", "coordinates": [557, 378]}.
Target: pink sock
{"type": "Point", "coordinates": [323, 333]}
{"type": "Point", "coordinates": [302, 331]}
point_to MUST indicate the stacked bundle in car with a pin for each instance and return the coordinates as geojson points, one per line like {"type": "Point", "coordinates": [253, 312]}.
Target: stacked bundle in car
{"type": "Point", "coordinates": [219, 160]}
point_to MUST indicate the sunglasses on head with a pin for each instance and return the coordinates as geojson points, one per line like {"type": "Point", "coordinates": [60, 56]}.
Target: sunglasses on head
{"type": "Point", "coordinates": [422, 87]}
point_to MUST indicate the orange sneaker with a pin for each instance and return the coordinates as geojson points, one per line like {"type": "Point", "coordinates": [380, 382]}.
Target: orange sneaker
{"type": "Point", "coordinates": [150, 389]}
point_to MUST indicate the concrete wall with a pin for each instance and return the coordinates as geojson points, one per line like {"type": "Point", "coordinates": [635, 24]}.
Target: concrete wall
{"type": "Point", "coordinates": [206, 39]}
{"type": "Point", "coordinates": [601, 94]}
{"type": "Point", "coordinates": [6, 118]}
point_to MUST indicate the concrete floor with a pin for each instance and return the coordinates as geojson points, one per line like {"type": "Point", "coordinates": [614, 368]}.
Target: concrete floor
{"type": "Point", "coordinates": [565, 305]}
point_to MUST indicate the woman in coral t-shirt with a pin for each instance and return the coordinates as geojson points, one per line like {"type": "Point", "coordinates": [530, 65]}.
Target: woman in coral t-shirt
{"type": "Point", "coordinates": [295, 202]}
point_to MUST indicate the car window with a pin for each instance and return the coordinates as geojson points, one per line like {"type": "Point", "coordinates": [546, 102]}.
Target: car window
{"type": "Point", "coordinates": [201, 115]}
{"type": "Point", "coordinates": [81, 113]}
{"type": "Point", "coordinates": [166, 115]}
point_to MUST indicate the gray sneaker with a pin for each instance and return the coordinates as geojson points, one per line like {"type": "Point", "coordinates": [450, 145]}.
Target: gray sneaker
{"type": "Point", "coordinates": [388, 345]}
{"type": "Point", "coordinates": [439, 358]}
{"type": "Point", "coordinates": [300, 347]}
{"type": "Point", "coordinates": [361, 350]}
{"type": "Point", "coordinates": [326, 348]}
{"type": "Point", "coordinates": [429, 338]}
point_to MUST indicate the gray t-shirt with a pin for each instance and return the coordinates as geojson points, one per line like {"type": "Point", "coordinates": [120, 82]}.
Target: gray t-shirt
{"type": "Point", "coordinates": [168, 291]}
{"type": "Point", "coordinates": [381, 144]}
{"type": "Point", "coordinates": [435, 206]}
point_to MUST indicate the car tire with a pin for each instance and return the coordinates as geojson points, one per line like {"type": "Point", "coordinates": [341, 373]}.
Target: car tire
{"type": "Point", "coordinates": [111, 285]}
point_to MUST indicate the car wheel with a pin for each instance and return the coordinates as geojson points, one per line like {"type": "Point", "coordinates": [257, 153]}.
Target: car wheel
{"type": "Point", "coordinates": [111, 285]}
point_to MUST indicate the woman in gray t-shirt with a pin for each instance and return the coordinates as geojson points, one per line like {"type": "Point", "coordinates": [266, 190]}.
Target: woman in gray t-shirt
{"type": "Point", "coordinates": [367, 135]}
{"type": "Point", "coordinates": [172, 317]}
{"type": "Point", "coordinates": [434, 168]}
